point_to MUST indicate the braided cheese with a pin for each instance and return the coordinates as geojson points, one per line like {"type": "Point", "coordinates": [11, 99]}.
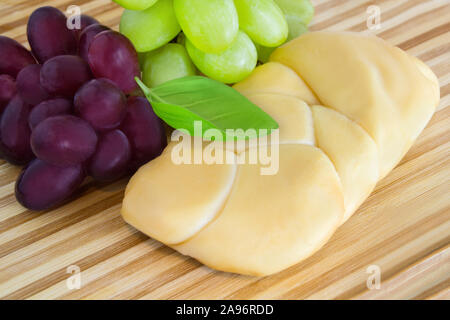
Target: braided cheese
{"type": "Point", "coordinates": [349, 107]}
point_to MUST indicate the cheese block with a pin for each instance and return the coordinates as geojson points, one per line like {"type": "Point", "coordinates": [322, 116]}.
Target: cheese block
{"type": "Point", "coordinates": [378, 86]}
{"type": "Point", "coordinates": [349, 106]}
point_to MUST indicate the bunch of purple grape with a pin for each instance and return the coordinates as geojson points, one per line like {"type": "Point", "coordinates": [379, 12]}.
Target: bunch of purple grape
{"type": "Point", "coordinates": [69, 109]}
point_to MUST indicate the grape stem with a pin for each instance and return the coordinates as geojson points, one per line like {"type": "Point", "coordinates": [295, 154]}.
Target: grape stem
{"type": "Point", "coordinates": [148, 92]}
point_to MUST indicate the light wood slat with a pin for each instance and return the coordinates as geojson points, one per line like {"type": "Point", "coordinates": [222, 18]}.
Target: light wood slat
{"type": "Point", "coordinates": [423, 275]}
{"type": "Point", "coordinates": [404, 226]}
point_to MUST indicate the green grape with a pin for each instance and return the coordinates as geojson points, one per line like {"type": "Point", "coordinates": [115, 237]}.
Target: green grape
{"type": "Point", "coordinates": [167, 63]}
{"type": "Point", "coordinates": [302, 9]}
{"type": "Point", "coordinates": [135, 4]}
{"type": "Point", "coordinates": [296, 27]}
{"type": "Point", "coordinates": [230, 66]}
{"type": "Point", "coordinates": [151, 28]}
{"type": "Point", "coordinates": [141, 57]}
{"type": "Point", "coordinates": [211, 25]}
{"type": "Point", "coordinates": [264, 52]}
{"type": "Point", "coordinates": [263, 21]}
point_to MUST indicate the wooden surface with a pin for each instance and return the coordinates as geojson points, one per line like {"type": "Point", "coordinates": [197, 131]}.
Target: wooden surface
{"type": "Point", "coordinates": [403, 228]}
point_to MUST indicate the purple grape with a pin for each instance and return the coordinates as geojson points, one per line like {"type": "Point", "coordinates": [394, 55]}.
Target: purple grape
{"type": "Point", "coordinates": [7, 90]}
{"type": "Point", "coordinates": [144, 130]}
{"type": "Point", "coordinates": [111, 160]}
{"type": "Point", "coordinates": [112, 56]}
{"type": "Point", "coordinates": [85, 21]}
{"type": "Point", "coordinates": [42, 186]}
{"type": "Point", "coordinates": [48, 34]}
{"type": "Point", "coordinates": [64, 75]}
{"type": "Point", "coordinates": [13, 57]}
{"type": "Point", "coordinates": [47, 109]}
{"type": "Point", "coordinates": [29, 85]}
{"type": "Point", "coordinates": [101, 103]}
{"type": "Point", "coordinates": [63, 140]}
{"type": "Point", "coordinates": [15, 133]}
{"type": "Point", "coordinates": [86, 37]}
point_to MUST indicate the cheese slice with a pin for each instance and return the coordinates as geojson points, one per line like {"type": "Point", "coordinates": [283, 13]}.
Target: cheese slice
{"type": "Point", "coordinates": [353, 153]}
{"type": "Point", "coordinates": [271, 222]}
{"type": "Point", "coordinates": [274, 77]}
{"type": "Point", "coordinates": [172, 202]}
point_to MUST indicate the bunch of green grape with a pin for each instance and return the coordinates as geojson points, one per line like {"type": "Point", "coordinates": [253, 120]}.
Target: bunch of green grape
{"type": "Point", "coordinates": [223, 39]}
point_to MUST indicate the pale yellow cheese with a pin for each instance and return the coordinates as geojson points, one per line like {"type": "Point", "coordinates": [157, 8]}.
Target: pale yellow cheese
{"type": "Point", "coordinates": [272, 222]}
{"type": "Point", "coordinates": [292, 114]}
{"type": "Point", "coordinates": [369, 81]}
{"type": "Point", "coordinates": [172, 202]}
{"type": "Point", "coordinates": [349, 106]}
{"type": "Point", "coordinates": [274, 77]}
{"type": "Point", "coordinates": [353, 153]}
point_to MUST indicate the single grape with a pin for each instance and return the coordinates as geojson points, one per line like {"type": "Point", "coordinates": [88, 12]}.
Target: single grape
{"type": "Point", "coordinates": [47, 109]}
{"type": "Point", "coordinates": [151, 28]}
{"type": "Point", "coordinates": [48, 34]}
{"type": "Point", "coordinates": [13, 57]}
{"type": "Point", "coordinates": [211, 25]}
{"type": "Point", "coordinates": [144, 130]}
{"type": "Point", "coordinates": [231, 66]}
{"type": "Point", "coordinates": [15, 133]}
{"type": "Point", "coordinates": [302, 9]}
{"type": "Point", "coordinates": [296, 27]}
{"type": "Point", "coordinates": [101, 103]}
{"type": "Point", "coordinates": [264, 52]}
{"type": "Point", "coordinates": [136, 5]}
{"type": "Point", "coordinates": [86, 21]}
{"type": "Point", "coordinates": [169, 62]}
{"type": "Point", "coordinates": [8, 90]}
{"type": "Point", "coordinates": [42, 186]}
{"type": "Point", "coordinates": [112, 56]}
{"type": "Point", "coordinates": [111, 159]}
{"type": "Point", "coordinates": [263, 21]}
{"type": "Point", "coordinates": [64, 75]}
{"type": "Point", "coordinates": [63, 140]}
{"type": "Point", "coordinates": [29, 85]}
{"type": "Point", "coordinates": [86, 37]}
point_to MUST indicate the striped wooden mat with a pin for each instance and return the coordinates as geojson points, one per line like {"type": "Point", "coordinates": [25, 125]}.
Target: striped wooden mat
{"type": "Point", "coordinates": [403, 228]}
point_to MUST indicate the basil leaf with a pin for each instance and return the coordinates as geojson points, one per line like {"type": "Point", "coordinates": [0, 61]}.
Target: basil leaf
{"type": "Point", "coordinates": [182, 101]}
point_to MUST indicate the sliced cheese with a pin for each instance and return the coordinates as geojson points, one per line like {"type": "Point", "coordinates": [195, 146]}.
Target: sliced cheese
{"type": "Point", "coordinates": [353, 153]}
{"type": "Point", "coordinates": [171, 202]}
{"type": "Point", "coordinates": [276, 78]}
{"type": "Point", "coordinates": [369, 81]}
{"type": "Point", "coordinates": [292, 114]}
{"type": "Point", "coordinates": [271, 222]}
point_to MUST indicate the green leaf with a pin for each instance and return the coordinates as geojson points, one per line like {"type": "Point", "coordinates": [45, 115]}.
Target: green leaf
{"type": "Point", "coordinates": [182, 101]}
